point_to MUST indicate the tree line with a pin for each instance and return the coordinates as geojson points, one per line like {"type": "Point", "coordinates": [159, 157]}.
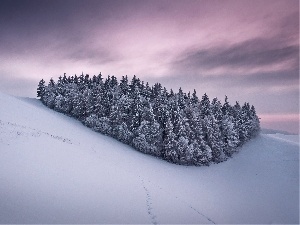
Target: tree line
{"type": "Point", "coordinates": [177, 127]}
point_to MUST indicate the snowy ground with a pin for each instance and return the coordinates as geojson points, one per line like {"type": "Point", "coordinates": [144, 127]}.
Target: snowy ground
{"type": "Point", "coordinates": [55, 170]}
{"type": "Point", "coordinates": [293, 139]}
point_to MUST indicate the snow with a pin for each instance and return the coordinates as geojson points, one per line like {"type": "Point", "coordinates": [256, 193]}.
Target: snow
{"type": "Point", "coordinates": [293, 139]}
{"type": "Point", "coordinates": [55, 170]}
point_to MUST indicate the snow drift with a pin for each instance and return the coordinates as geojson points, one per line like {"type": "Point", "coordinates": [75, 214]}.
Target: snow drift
{"type": "Point", "coordinates": [55, 170]}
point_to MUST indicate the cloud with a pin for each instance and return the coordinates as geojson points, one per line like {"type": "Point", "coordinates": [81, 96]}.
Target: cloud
{"type": "Point", "coordinates": [275, 49]}
{"type": "Point", "coordinates": [199, 39]}
{"type": "Point", "coordinates": [289, 28]}
{"type": "Point", "coordinates": [278, 78]}
{"type": "Point", "coordinates": [248, 55]}
{"type": "Point", "coordinates": [268, 83]}
{"type": "Point", "coordinates": [77, 49]}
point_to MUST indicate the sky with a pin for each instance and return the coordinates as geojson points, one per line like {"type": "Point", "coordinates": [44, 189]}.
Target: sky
{"type": "Point", "coordinates": [247, 50]}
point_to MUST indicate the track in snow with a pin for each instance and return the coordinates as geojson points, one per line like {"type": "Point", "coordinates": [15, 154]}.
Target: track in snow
{"type": "Point", "coordinates": [14, 130]}
{"type": "Point", "coordinates": [149, 205]}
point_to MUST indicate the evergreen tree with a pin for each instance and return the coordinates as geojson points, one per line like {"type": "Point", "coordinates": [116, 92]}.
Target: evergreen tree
{"type": "Point", "coordinates": [255, 124]}
{"type": "Point", "coordinates": [181, 99]}
{"type": "Point", "coordinates": [205, 106]}
{"type": "Point", "coordinates": [49, 94]}
{"type": "Point", "coordinates": [41, 89]}
{"type": "Point", "coordinates": [244, 123]}
{"type": "Point", "coordinates": [170, 143]}
{"type": "Point", "coordinates": [135, 111]}
{"type": "Point", "coordinates": [216, 110]}
{"type": "Point", "coordinates": [227, 108]}
{"type": "Point", "coordinates": [149, 134]}
{"type": "Point", "coordinates": [230, 135]}
{"type": "Point", "coordinates": [213, 138]}
{"type": "Point", "coordinates": [194, 99]}
{"type": "Point", "coordinates": [124, 86]}
{"type": "Point", "coordinates": [79, 107]}
{"type": "Point", "coordinates": [174, 126]}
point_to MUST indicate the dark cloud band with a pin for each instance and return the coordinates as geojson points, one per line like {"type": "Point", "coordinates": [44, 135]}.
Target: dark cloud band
{"type": "Point", "coordinates": [249, 54]}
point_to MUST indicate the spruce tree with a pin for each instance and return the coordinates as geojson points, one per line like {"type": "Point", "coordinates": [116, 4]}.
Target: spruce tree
{"type": "Point", "coordinates": [214, 138]}
{"type": "Point", "coordinates": [170, 143]}
{"type": "Point", "coordinates": [41, 89]}
{"type": "Point", "coordinates": [177, 127]}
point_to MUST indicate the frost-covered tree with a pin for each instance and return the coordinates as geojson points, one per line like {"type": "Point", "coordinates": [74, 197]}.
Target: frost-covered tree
{"type": "Point", "coordinates": [170, 143]}
{"type": "Point", "coordinates": [255, 124]}
{"type": "Point", "coordinates": [177, 127]}
{"type": "Point", "coordinates": [136, 110]}
{"type": "Point", "coordinates": [216, 110]}
{"type": "Point", "coordinates": [214, 138]}
{"type": "Point", "coordinates": [230, 135]}
{"type": "Point", "coordinates": [41, 89]}
{"type": "Point", "coordinates": [195, 99]}
{"type": "Point", "coordinates": [79, 107]}
{"type": "Point", "coordinates": [205, 109]}
{"type": "Point", "coordinates": [149, 133]}
{"type": "Point", "coordinates": [49, 94]}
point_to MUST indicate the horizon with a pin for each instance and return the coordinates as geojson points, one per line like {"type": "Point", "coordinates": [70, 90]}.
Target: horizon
{"type": "Point", "coordinates": [247, 50]}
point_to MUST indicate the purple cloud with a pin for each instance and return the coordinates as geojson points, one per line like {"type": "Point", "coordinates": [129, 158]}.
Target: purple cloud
{"type": "Point", "coordinates": [234, 47]}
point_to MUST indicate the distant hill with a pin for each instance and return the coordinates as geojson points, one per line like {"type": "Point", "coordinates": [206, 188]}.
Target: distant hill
{"type": "Point", "coordinates": [271, 131]}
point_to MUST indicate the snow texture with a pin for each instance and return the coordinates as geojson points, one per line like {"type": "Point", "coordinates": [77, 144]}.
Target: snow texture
{"type": "Point", "coordinates": [53, 169]}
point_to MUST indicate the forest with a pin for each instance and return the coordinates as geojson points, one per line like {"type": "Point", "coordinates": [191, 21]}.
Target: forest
{"type": "Point", "coordinates": [174, 126]}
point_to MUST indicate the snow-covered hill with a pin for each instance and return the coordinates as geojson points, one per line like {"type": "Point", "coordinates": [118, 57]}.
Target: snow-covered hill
{"type": "Point", "coordinates": [55, 170]}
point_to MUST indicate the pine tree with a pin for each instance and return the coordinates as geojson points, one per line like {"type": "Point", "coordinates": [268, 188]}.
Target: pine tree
{"type": "Point", "coordinates": [124, 86]}
{"type": "Point", "coordinates": [103, 126]}
{"type": "Point", "coordinates": [183, 150]}
{"type": "Point", "coordinates": [79, 107]}
{"type": "Point", "coordinates": [230, 135]}
{"type": "Point", "coordinates": [214, 138]}
{"type": "Point", "coordinates": [174, 126]}
{"type": "Point", "coordinates": [227, 108]}
{"type": "Point", "coordinates": [118, 117]}
{"type": "Point", "coordinates": [216, 110]}
{"type": "Point", "coordinates": [244, 123]}
{"type": "Point", "coordinates": [194, 99]}
{"type": "Point", "coordinates": [205, 106]}
{"type": "Point", "coordinates": [181, 99]}
{"type": "Point", "coordinates": [135, 111]}
{"type": "Point", "coordinates": [122, 133]}
{"type": "Point", "coordinates": [92, 121]}
{"type": "Point", "coordinates": [255, 124]}
{"type": "Point", "coordinates": [170, 143]}
{"type": "Point", "coordinates": [49, 94]}
{"type": "Point", "coordinates": [149, 133]}
{"type": "Point", "coordinates": [41, 89]}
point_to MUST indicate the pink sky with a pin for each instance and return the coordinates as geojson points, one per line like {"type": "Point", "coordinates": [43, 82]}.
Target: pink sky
{"type": "Point", "coordinates": [248, 50]}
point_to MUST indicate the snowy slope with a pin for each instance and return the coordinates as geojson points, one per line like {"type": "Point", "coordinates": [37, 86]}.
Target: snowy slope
{"type": "Point", "coordinates": [293, 139]}
{"type": "Point", "coordinates": [55, 170]}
